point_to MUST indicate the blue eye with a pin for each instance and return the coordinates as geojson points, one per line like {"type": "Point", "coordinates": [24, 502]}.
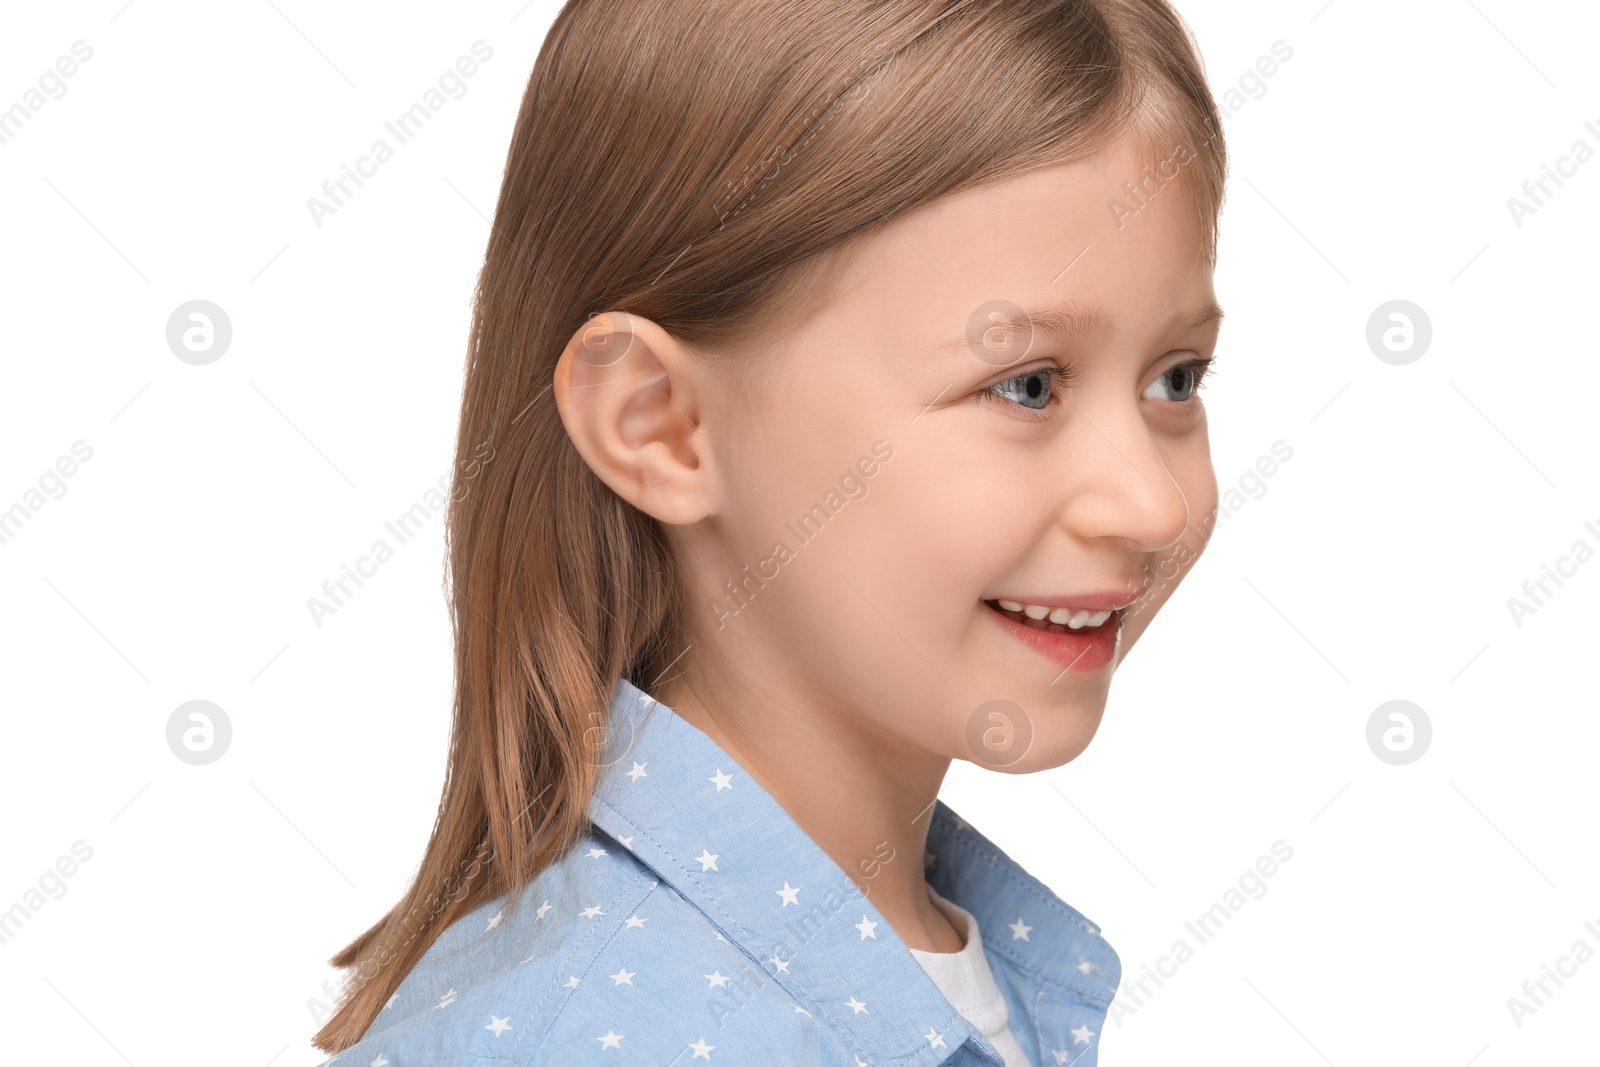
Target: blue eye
{"type": "Point", "coordinates": [1031, 391]}
{"type": "Point", "coordinates": [1182, 378]}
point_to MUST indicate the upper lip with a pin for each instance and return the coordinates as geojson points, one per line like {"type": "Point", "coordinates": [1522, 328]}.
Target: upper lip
{"type": "Point", "coordinates": [1078, 601]}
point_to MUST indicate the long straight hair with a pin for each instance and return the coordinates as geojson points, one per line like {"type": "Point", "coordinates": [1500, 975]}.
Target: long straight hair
{"type": "Point", "coordinates": [697, 162]}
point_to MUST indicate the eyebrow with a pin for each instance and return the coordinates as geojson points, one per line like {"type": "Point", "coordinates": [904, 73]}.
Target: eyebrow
{"type": "Point", "coordinates": [1070, 318]}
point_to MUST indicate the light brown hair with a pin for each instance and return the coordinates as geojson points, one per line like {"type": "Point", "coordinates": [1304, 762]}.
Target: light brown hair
{"type": "Point", "coordinates": [701, 163]}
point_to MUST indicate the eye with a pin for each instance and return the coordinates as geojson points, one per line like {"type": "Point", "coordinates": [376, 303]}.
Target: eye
{"type": "Point", "coordinates": [1030, 391]}
{"type": "Point", "coordinates": [1184, 379]}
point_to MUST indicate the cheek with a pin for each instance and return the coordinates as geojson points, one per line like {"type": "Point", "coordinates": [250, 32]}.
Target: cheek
{"type": "Point", "coordinates": [935, 531]}
{"type": "Point", "coordinates": [791, 471]}
{"type": "Point", "coordinates": [896, 576]}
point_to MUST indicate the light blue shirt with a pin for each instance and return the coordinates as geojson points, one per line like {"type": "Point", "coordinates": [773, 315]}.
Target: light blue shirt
{"type": "Point", "coordinates": [697, 922]}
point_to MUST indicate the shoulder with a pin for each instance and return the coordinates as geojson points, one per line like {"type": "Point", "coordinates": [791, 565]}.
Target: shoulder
{"type": "Point", "coordinates": [497, 977]}
{"type": "Point", "coordinates": [595, 955]}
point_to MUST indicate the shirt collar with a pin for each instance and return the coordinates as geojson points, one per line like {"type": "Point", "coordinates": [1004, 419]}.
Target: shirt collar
{"type": "Point", "coordinates": [674, 798]}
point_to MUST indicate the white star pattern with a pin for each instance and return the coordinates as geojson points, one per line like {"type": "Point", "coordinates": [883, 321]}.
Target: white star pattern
{"type": "Point", "coordinates": [624, 976]}
{"type": "Point", "coordinates": [494, 920]}
{"type": "Point", "coordinates": [781, 965]}
{"type": "Point", "coordinates": [390, 1002]}
{"type": "Point", "coordinates": [788, 894]}
{"type": "Point", "coordinates": [538, 912]}
{"type": "Point", "coordinates": [638, 770]}
{"type": "Point", "coordinates": [701, 1048]}
{"type": "Point", "coordinates": [610, 1039]}
{"type": "Point", "coordinates": [1019, 931]}
{"type": "Point", "coordinates": [858, 1006]}
{"type": "Point", "coordinates": [935, 1038]}
{"type": "Point", "coordinates": [717, 978]}
{"type": "Point", "coordinates": [596, 853]}
{"type": "Point", "coordinates": [1088, 968]}
{"type": "Point", "coordinates": [591, 911]}
{"type": "Point", "coordinates": [868, 928]}
{"type": "Point", "coordinates": [708, 861]}
{"type": "Point", "coordinates": [571, 982]}
{"type": "Point", "coordinates": [498, 1025]}
{"type": "Point", "coordinates": [448, 998]}
{"type": "Point", "coordinates": [1081, 1035]}
{"type": "Point", "coordinates": [379, 1062]}
{"type": "Point", "coordinates": [634, 920]}
{"type": "Point", "coordinates": [627, 842]}
{"type": "Point", "coordinates": [724, 781]}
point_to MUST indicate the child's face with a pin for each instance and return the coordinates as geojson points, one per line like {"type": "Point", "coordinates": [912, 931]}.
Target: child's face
{"type": "Point", "coordinates": [879, 618]}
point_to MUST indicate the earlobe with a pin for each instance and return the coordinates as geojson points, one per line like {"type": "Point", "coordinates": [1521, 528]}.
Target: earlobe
{"type": "Point", "coordinates": [631, 398]}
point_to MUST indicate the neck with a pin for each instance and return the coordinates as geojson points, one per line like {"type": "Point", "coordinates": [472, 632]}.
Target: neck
{"type": "Point", "coordinates": [863, 798]}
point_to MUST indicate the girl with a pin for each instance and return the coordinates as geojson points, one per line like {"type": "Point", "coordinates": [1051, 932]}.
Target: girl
{"type": "Point", "coordinates": [837, 360]}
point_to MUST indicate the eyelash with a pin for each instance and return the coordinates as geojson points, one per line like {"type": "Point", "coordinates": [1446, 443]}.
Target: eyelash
{"type": "Point", "coordinates": [1063, 378]}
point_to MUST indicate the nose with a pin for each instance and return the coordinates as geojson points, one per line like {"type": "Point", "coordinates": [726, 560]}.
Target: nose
{"type": "Point", "coordinates": [1121, 487]}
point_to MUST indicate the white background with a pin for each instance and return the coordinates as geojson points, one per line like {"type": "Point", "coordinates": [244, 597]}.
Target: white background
{"type": "Point", "coordinates": [1376, 565]}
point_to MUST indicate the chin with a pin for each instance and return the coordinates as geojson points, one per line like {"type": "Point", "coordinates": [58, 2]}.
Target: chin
{"type": "Point", "coordinates": [1043, 753]}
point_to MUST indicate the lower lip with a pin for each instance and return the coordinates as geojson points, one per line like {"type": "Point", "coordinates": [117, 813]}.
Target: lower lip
{"type": "Point", "coordinates": [1084, 651]}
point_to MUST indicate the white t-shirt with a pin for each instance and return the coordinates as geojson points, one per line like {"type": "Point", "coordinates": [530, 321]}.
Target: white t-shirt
{"type": "Point", "coordinates": [967, 983]}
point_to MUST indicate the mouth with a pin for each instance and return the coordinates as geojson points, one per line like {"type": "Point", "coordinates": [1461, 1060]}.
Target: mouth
{"type": "Point", "coordinates": [1106, 620]}
{"type": "Point", "coordinates": [1084, 648]}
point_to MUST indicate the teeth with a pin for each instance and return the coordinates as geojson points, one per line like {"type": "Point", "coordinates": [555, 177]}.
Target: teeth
{"type": "Point", "coordinates": [1072, 619]}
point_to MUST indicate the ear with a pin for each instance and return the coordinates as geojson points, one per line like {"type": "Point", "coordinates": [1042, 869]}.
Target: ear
{"type": "Point", "coordinates": [632, 399]}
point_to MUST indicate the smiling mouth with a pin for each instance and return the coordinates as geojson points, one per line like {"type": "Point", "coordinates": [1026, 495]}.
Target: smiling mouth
{"type": "Point", "coordinates": [1052, 627]}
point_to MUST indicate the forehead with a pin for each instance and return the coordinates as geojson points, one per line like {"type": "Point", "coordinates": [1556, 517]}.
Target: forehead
{"type": "Point", "coordinates": [1106, 232]}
